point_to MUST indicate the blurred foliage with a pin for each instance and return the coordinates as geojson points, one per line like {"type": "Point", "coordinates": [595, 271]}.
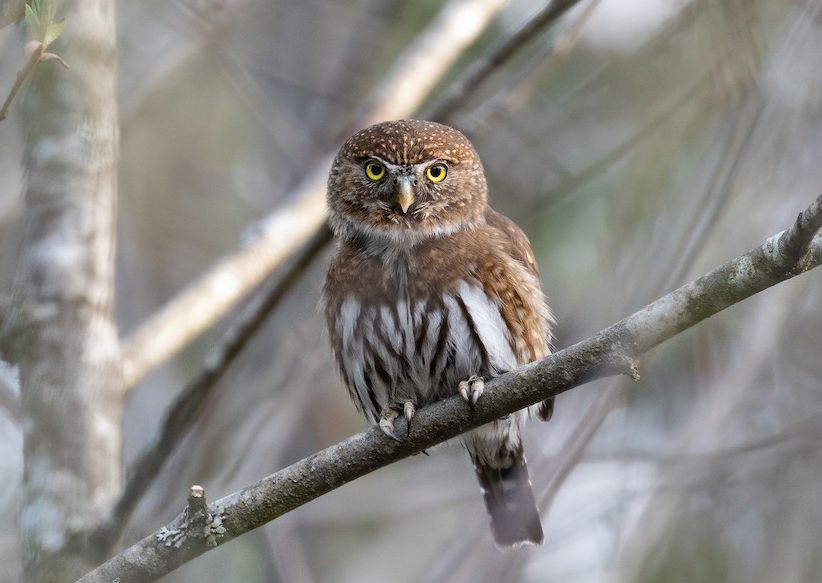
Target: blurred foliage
{"type": "Point", "coordinates": [675, 135]}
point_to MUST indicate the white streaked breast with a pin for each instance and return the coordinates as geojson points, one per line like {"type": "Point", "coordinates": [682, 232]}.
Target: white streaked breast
{"type": "Point", "coordinates": [385, 365]}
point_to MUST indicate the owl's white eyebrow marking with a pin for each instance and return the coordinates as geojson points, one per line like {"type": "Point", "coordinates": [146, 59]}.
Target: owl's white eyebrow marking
{"type": "Point", "coordinates": [400, 168]}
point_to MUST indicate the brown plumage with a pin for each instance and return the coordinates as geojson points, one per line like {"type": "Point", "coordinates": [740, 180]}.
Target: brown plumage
{"type": "Point", "coordinates": [430, 293]}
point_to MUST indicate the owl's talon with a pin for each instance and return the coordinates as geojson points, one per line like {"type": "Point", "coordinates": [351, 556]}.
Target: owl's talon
{"type": "Point", "coordinates": [477, 388]}
{"type": "Point", "coordinates": [471, 390]}
{"type": "Point", "coordinates": [464, 387]}
{"type": "Point", "coordinates": [409, 409]}
{"type": "Point", "coordinates": [387, 418]}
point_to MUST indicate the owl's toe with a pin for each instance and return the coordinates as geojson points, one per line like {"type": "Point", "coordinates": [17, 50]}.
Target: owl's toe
{"type": "Point", "coordinates": [471, 390]}
{"type": "Point", "coordinates": [387, 418]}
{"type": "Point", "coordinates": [409, 409]}
{"type": "Point", "coordinates": [477, 388]}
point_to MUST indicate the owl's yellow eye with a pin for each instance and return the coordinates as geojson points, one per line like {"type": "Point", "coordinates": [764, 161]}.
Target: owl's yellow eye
{"type": "Point", "coordinates": [436, 172]}
{"type": "Point", "coordinates": [374, 170]}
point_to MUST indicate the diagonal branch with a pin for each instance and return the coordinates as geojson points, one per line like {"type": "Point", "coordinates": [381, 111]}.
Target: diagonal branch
{"type": "Point", "coordinates": [794, 242]}
{"type": "Point", "coordinates": [482, 70]}
{"type": "Point", "coordinates": [611, 351]}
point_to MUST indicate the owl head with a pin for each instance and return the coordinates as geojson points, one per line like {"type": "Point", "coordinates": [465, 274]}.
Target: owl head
{"type": "Point", "coordinates": [404, 181]}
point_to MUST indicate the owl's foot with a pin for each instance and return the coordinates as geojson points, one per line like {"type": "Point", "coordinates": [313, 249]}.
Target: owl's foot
{"type": "Point", "coordinates": [409, 409]}
{"type": "Point", "coordinates": [390, 414]}
{"type": "Point", "coordinates": [387, 418]}
{"type": "Point", "coordinates": [471, 390]}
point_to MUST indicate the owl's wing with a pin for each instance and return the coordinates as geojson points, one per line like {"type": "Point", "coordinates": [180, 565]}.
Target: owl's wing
{"type": "Point", "coordinates": [519, 246]}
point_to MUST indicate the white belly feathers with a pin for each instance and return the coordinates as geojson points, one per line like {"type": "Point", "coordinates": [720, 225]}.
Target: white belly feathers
{"type": "Point", "coordinates": [420, 350]}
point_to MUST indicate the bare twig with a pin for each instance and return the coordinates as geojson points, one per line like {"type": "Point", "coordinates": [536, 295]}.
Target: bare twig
{"type": "Point", "coordinates": [794, 243]}
{"type": "Point", "coordinates": [21, 78]}
{"type": "Point", "coordinates": [284, 231]}
{"type": "Point", "coordinates": [736, 280]}
{"type": "Point", "coordinates": [483, 69]}
{"type": "Point", "coordinates": [418, 70]}
{"type": "Point", "coordinates": [512, 97]}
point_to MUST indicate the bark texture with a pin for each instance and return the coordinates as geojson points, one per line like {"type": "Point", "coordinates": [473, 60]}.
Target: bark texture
{"type": "Point", "coordinates": [61, 332]}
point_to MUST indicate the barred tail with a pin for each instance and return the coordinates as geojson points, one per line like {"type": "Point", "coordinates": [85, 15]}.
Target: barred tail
{"type": "Point", "coordinates": [510, 500]}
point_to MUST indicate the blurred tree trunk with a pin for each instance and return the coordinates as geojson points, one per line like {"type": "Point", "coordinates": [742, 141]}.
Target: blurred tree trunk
{"type": "Point", "coordinates": [65, 341]}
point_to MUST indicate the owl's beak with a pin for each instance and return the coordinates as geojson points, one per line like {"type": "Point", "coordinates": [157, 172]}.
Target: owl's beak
{"type": "Point", "coordinates": [406, 194]}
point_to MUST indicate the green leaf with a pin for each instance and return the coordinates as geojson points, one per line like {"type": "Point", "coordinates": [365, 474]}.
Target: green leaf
{"type": "Point", "coordinates": [53, 31]}
{"type": "Point", "coordinates": [43, 26]}
{"type": "Point", "coordinates": [33, 22]}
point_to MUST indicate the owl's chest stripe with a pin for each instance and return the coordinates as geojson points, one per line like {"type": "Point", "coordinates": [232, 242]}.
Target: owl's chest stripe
{"type": "Point", "coordinates": [422, 329]}
{"type": "Point", "coordinates": [419, 350]}
{"type": "Point", "coordinates": [485, 369]}
{"type": "Point", "coordinates": [369, 386]}
{"type": "Point", "coordinates": [437, 362]}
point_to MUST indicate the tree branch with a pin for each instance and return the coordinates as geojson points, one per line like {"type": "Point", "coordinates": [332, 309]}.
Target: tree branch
{"type": "Point", "coordinates": [611, 351]}
{"type": "Point", "coordinates": [482, 70]}
{"type": "Point", "coordinates": [516, 94]}
{"type": "Point", "coordinates": [278, 236]}
{"type": "Point", "coordinates": [795, 242]}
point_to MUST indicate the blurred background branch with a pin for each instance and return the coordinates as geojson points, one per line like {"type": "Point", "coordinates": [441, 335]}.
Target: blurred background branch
{"type": "Point", "coordinates": [482, 69]}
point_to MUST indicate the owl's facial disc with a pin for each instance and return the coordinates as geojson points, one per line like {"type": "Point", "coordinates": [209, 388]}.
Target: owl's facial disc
{"type": "Point", "coordinates": [404, 181]}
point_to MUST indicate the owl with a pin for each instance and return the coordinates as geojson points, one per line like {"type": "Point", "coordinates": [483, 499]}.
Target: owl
{"type": "Point", "coordinates": [430, 293]}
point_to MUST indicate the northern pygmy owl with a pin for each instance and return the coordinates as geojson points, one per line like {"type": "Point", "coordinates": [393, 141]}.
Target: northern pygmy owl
{"type": "Point", "coordinates": [431, 292]}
